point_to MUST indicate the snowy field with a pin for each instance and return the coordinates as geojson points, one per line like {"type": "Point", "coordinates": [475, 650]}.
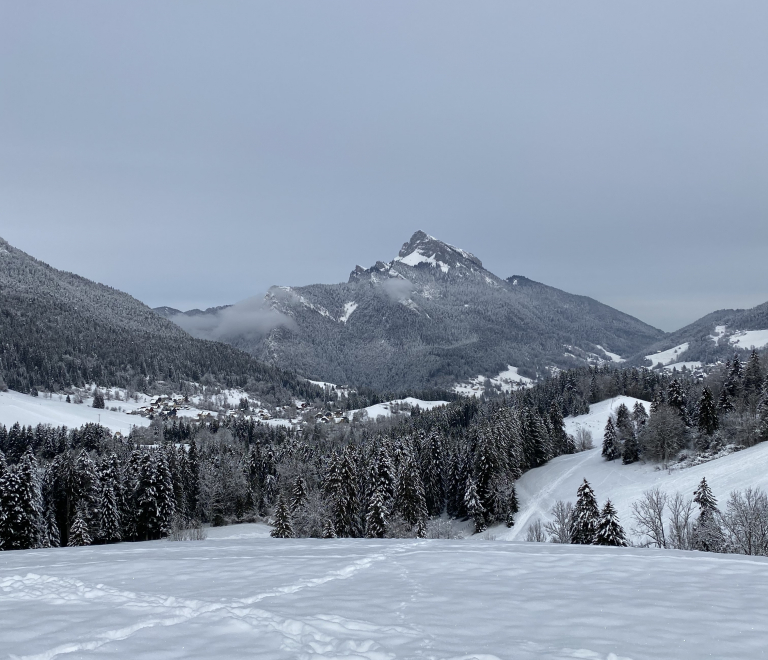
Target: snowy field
{"type": "Point", "coordinates": [540, 488]}
{"type": "Point", "coordinates": [33, 410]}
{"type": "Point", "coordinates": [386, 409]}
{"type": "Point", "coordinates": [244, 596]}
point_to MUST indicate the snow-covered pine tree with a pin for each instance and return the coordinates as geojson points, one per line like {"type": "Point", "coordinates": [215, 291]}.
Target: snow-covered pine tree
{"type": "Point", "coordinates": [298, 493]}
{"type": "Point", "coordinates": [753, 374]}
{"type": "Point", "coordinates": [149, 521]}
{"type": "Point", "coordinates": [20, 513]}
{"type": "Point", "coordinates": [586, 516]}
{"type": "Point", "coordinates": [630, 452]}
{"type": "Point", "coordinates": [562, 443]}
{"type": "Point", "coordinates": [724, 403]}
{"type": "Point", "coordinates": [166, 497]}
{"type": "Point", "coordinates": [98, 399]}
{"type": "Point", "coordinates": [433, 468]}
{"type": "Point", "coordinates": [283, 527]}
{"type": "Point", "coordinates": [376, 516]}
{"type": "Point", "coordinates": [708, 422]}
{"type": "Point", "coordinates": [78, 533]}
{"type": "Point", "coordinates": [410, 500]}
{"type": "Point", "coordinates": [609, 530]}
{"type": "Point", "coordinates": [473, 505]}
{"type": "Point", "coordinates": [52, 535]}
{"type": "Point", "coordinates": [677, 399]}
{"type": "Point", "coordinates": [733, 379]}
{"type": "Point", "coordinates": [707, 534]}
{"type": "Point", "coordinates": [623, 418]}
{"type": "Point", "coordinates": [109, 514]}
{"type": "Point", "coordinates": [639, 416]}
{"type": "Point", "coordinates": [329, 530]}
{"type": "Point", "coordinates": [762, 414]}
{"type": "Point", "coordinates": [610, 442]}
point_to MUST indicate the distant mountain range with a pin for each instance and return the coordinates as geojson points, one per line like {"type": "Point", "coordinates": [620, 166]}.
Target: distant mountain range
{"type": "Point", "coordinates": [433, 315]}
{"type": "Point", "coordinates": [58, 330]}
{"type": "Point", "coordinates": [713, 337]}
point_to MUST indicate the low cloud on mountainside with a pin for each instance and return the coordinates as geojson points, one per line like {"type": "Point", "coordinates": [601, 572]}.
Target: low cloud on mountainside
{"type": "Point", "coordinates": [249, 318]}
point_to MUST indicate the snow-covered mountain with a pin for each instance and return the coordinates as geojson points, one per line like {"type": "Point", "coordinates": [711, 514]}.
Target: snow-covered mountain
{"type": "Point", "coordinates": [713, 337]}
{"type": "Point", "coordinates": [433, 315]}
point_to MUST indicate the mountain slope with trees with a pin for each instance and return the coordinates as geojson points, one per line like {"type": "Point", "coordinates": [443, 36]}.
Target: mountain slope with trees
{"type": "Point", "coordinates": [433, 316]}
{"type": "Point", "coordinates": [59, 330]}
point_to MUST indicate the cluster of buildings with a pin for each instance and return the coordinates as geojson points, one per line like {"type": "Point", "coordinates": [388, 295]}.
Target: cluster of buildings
{"type": "Point", "coordinates": [163, 406]}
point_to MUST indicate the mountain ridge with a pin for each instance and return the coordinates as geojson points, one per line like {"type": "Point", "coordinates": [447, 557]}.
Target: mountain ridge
{"type": "Point", "coordinates": [434, 315]}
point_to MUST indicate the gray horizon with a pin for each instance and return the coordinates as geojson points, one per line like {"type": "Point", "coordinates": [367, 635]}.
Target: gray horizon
{"type": "Point", "coordinates": [194, 154]}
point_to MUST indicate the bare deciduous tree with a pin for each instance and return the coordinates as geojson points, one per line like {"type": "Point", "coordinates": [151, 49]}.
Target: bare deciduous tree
{"type": "Point", "coordinates": [746, 522]}
{"type": "Point", "coordinates": [560, 528]}
{"type": "Point", "coordinates": [648, 514]}
{"type": "Point", "coordinates": [536, 532]}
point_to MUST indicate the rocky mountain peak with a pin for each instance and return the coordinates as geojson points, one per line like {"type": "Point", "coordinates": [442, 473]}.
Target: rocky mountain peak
{"type": "Point", "coordinates": [425, 248]}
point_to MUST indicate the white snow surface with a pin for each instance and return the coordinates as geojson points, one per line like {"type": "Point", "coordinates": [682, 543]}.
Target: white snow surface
{"type": "Point", "coordinates": [33, 410]}
{"type": "Point", "coordinates": [669, 356]}
{"type": "Point", "coordinates": [506, 381]}
{"type": "Point", "coordinates": [615, 357]}
{"type": "Point", "coordinates": [348, 309]}
{"type": "Point", "coordinates": [540, 488]}
{"type": "Point", "coordinates": [386, 409]}
{"type": "Point", "coordinates": [417, 257]}
{"type": "Point", "coordinates": [750, 339]}
{"type": "Point", "coordinates": [242, 596]}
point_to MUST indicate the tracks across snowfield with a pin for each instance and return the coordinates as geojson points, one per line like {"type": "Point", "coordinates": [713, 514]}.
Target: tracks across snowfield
{"type": "Point", "coordinates": [379, 600]}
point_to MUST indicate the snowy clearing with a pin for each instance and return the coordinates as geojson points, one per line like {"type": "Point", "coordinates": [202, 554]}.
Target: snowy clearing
{"type": "Point", "coordinates": [387, 409]}
{"type": "Point", "coordinates": [668, 356]}
{"type": "Point", "coordinates": [249, 597]}
{"type": "Point", "coordinates": [540, 488]}
{"type": "Point", "coordinates": [506, 381]}
{"type": "Point", "coordinates": [750, 339]}
{"type": "Point", "coordinates": [348, 309]}
{"type": "Point", "coordinates": [33, 410]}
{"type": "Point", "coordinates": [615, 357]}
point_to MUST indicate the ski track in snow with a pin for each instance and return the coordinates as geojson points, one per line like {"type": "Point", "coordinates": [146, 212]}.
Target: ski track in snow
{"type": "Point", "coordinates": [326, 635]}
{"type": "Point", "coordinates": [379, 600]}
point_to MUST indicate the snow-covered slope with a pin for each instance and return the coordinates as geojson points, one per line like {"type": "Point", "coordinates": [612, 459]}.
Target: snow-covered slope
{"type": "Point", "coordinates": [540, 488]}
{"type": "Point", "coordinates": [391, 407]}
{"type": "Point", "coordinates": [241, 596]}
{"type": "Point", "coordinates": [33, 410]}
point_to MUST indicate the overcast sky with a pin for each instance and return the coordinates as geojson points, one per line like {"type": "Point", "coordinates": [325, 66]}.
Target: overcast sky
{"type": "Point", "coordinates": [195, 153]}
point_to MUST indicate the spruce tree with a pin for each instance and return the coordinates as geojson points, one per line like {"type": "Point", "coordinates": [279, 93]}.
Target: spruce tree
{"type": "Point", "coordinates": [109, 514]}
{"type": "Point", "coordinates": [98, 400]}
{"type": "Point", "coordinates": [707, 535]}
{"type": "Point", "coordinates": [329, 529]}
{"type": "Point", "coordinates": [410, 500]}
{"type": "Point", "coordinates": [473, 505]}
{"type": "Point", "coordinates": [376, 516]}
{"type": "Point", "coordinates": [52, 535]}
{"type": "Point", "coordinates": [708, 422]}
{"type": "Point", "coordinates": [298, 494]}
{"type": "Point", "coordinates": [20, 513]}
{"type": "Point", "coordinates": [762, 414]}
{"type": "Point", "coordinates": [78, 533]}
{"type": "Point", "coordinates": [753, 374]}
{"type": "Point", "coordinates": [586, 516]}
{"type": "Point", "coordinates": [630, 452]}
{"type": "Point", "coordinates": [639, 416]}
{"type": "Point", "coordinates": [609, 530]}
{"type": "Point", "coordinates": [283, 528]}
{"type": "Point", "coordinates": [610, 442]}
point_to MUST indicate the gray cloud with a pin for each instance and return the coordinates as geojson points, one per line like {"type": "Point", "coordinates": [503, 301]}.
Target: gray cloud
{"type": "Point", "coordinates": [249, 318]}
{"type": "Point", "coordinates": [397, 289]}
{"type": "Point", "coordinates": [192, 153]}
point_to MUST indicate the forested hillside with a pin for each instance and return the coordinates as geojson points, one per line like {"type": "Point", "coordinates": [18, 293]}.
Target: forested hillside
{"type": "Point", "coordinates": [58, 329]}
